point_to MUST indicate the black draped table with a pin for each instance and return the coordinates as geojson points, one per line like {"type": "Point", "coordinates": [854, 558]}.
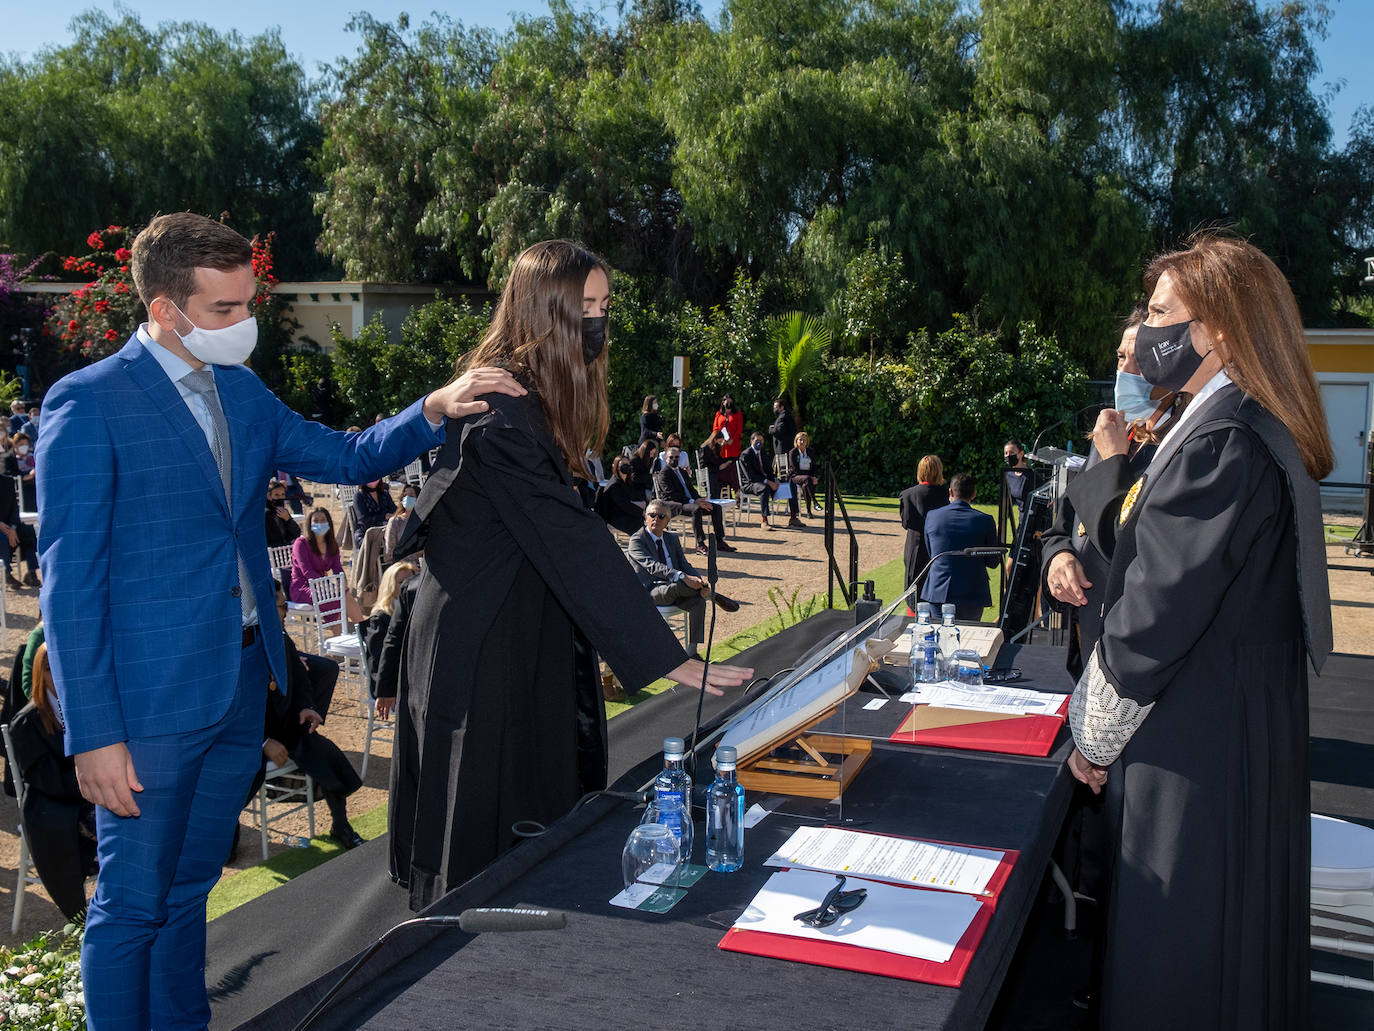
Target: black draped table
{"type": "Point", "coordinates": [618, 968]}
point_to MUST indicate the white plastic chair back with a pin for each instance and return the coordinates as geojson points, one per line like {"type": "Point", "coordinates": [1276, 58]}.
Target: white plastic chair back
{"type": "Point", "coordinates": [327, 595]}
{"type": "Point", "coordinates": [1342, 895]}
{"type": "Point", "coordinates": [279, 557]}
{"type": "Point", "coordinates": [27, 874]}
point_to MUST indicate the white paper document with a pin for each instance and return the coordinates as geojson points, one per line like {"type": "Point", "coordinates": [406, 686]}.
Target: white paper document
{"type": "Point", "coordinates": [954, 868]}
{"type": "Point", "coordinates": [755, 815]}
{"type": "Point", "coordinates": [923, 924]}
{"type": "Point", "coordinates": [1014, 701]}
{"type": "Point", "coordinates": [876, 703]}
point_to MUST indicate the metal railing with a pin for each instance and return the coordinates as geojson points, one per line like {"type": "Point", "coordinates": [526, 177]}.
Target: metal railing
{"type": "Point", "coordinates": [849, 589]}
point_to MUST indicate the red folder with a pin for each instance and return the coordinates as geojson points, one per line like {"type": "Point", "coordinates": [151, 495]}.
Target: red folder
{"type": "Point", "coordinates": [980, 731]}
{"type": "Point", "coordinates": [871, 961]}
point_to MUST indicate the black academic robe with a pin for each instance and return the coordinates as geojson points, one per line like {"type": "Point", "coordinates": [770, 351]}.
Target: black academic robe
{"type": "Point", "coordinates": [1085, 523]}
{"type": "Point", "coordinates": [1208, 910]}
{"type": "Point", "coordinates": [913, 504]}
{"type": "Point", "coordinates": [500, 715]}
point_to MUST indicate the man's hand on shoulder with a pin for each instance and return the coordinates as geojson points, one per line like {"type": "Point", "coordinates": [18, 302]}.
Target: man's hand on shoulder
{"type": "Point", "coordinates": [107, 778]}
{"type": "Point", "coordinates": [457, 399]}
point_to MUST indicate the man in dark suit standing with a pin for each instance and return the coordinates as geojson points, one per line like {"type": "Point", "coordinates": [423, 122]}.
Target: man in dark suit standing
{"type": "Point", "coordinates": [658, 558]}
{"type": "Point", "coordinates": [676, 491]}
{"type": "Point", "coordinates": [957, 578]}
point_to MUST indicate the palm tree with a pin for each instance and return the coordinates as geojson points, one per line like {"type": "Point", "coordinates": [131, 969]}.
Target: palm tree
{"type": "Point", "coordinates": [801, 340]}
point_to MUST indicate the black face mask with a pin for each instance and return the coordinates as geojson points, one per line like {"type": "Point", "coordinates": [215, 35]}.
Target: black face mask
{"type": "Point", "coordinates": [1011, 460]}
{"type": "Point", "coordinates": [1166, 355]}
{"type": "Point", "coordinates": [593, 337]}
{"type": "Point", "coordinates": [727, 407]}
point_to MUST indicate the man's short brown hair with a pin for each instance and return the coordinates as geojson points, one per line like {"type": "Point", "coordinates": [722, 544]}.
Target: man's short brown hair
{"type": "Point", "coordinates": [171, 247]}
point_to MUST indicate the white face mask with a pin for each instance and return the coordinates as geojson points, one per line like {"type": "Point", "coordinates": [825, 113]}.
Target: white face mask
{"type": "Point", "coordinates": [1132, 396]}
{"type": "Point", "coordinates": [22, 449]}
{"type": "Point", "coordinates": [228, 346]}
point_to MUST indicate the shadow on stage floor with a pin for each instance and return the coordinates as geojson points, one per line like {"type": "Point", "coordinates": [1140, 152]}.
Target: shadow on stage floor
{"type": "Point", "coordinates": [266, 950]}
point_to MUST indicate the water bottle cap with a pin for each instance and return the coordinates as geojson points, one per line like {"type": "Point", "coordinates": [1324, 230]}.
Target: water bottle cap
{"type": "Point", "coordinates": [726, 757]}
{"type": "Point", "coordinates": [674, 747]}
{"type": "Point", "coordinates": [947, 609]}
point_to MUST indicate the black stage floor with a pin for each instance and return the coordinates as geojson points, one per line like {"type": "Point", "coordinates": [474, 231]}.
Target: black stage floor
{"type": "Point", "coordinates": [267, 950]}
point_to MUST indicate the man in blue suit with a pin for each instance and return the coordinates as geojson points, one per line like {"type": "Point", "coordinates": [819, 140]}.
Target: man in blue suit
{"type": "Point", "coordinates": [157, 597]}
{"type": "Point", "coordinates": [958, 578]}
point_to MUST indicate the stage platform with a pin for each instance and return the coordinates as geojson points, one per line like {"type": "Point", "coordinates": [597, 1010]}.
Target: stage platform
{"type": "Point", "coordinates": [264, 956]}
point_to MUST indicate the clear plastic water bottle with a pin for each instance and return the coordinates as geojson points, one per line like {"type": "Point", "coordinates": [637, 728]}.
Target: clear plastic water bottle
{"type": "Point", "coordinates": [949, 642]}
{"type": "Point", "coordinates": [725, 815]}
{"type": "Point", "coordinates": [925, 667]}
{"type": "Point", "coordinates": [673, 795]}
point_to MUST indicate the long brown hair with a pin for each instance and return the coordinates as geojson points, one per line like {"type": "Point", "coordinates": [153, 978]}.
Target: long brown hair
{"type": "Point", "coordinates": [536, 333]}
{"type": "Point", "coordinates": [1233, 287]}
{"type": "Point", "coordinates": [42, 691]}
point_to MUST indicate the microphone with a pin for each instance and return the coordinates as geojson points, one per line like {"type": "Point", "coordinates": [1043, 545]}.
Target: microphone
{"type": "Point", "coordinates": [986, 551]}
{"type": "Point", "coordinates": [712, 573]}
{"type": "Point", "coordinates": [1035, 445]}
{"type": "Point", "coordinates": [981, 551]}
{"type": "Point", "coordinates": [518, 918]}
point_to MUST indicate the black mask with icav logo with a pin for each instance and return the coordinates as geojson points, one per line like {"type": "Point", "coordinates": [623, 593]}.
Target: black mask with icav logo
{"type": "Point", "coordinates": [1166, 355]}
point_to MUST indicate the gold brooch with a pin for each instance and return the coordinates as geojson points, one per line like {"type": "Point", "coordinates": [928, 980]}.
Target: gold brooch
{"type": "Point", "coordinates": [1082, 530]}
{"type": "Point", "coordinates": [1129, 503]}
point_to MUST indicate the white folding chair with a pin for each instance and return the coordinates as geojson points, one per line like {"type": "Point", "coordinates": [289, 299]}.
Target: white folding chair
{"type": "Point", "coordinates": [26, 516]}
{"type": "Point", "coordinates": [284, 785]}
{"type": "Point", "coordinates": [414, 474]}
{"type": "Point", "coordinates": [27, 873]}
{"type": "Point", "coordinates": [673, 615]}
{"type": "Point", "coordinates": [728, 504]}
{"type": "Point", "coordinates": [327, 597]}
{"type": "Point", "coordinates": [1342, 919]}
{"type": "Point", "coordinates": [279, 558]}
{"type": "Point", "coordinates": [746, 500]}
{"type": "Point", "coordinates": [378, 729]}
{"type": "Point", "coordinates": [345, 493]}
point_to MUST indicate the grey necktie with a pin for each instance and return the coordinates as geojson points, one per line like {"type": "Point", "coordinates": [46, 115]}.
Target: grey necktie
{"type": "Point", "coordinates": [203, 383]}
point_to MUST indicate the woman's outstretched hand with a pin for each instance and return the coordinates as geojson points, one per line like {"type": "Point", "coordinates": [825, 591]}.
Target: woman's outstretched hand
{"type": "Point", "coordinates": [689, 675]}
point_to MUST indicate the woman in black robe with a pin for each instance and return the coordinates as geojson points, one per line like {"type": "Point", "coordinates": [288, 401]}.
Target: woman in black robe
{"type": "Point", "coordinates": [929, 494]}
{"type": "Point", "coordinates": [500, 718]}
{"type": "Point", "coordinates": [1192, 710]}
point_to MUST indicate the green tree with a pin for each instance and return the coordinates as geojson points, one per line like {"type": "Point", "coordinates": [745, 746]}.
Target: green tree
{"type": "Point", "coordinates": [801, 340]}
{"type": "Point", "coordinates": [125, 122]}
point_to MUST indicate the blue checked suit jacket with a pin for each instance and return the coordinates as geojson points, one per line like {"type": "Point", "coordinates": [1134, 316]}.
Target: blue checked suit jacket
{"type": "Point", "coordinates": [138, 544]}
{"type": "Point", "coordinates": [956, 578]}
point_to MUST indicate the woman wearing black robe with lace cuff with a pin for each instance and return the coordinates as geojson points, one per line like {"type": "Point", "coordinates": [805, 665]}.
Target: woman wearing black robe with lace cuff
{"type": "Point", "coordinates": [500, 716]}
{"type": "Point", "coordinates": [1192, 710]}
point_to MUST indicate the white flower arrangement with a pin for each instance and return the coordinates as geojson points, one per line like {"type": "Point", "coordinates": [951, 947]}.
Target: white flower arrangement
{"type": "Point", "coordinates": [40, 983]}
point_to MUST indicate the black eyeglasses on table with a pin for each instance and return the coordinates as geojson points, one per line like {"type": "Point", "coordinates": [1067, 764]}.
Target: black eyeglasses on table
{"type": "Point", "coordinates": [836, 902]}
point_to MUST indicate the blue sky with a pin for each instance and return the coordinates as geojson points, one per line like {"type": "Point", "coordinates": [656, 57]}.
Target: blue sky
{"type": "Point", "coordinates": [313, 30]}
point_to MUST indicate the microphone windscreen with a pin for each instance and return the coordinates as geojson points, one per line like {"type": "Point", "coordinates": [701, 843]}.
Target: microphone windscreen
{"type": "Point", "coordinates": [484, 921]}
{"type": "Point", "coordinates": [711, 574]}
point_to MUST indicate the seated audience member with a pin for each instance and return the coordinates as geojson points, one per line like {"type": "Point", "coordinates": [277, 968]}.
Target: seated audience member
{"type": "Point", "coordinates": [757, 481]}
{"type": "Point", "coordinates": [379, 620]}
{"type": "Point", "coordinates": [296, 496]}
{"type": "Point", "coordinates": [313, 555]}
{"type": "Point", "coordinates": [58, 821]}
{"type": "Point", "coordinates": [6, 446]}
{"type": "Point", "coordinates": [642, 468]}
{"type": "Point", "coordinates": [387, 678]}
{"type": "Point", "coordinates": [372, 506]}
{"type": "Point", "coordinates": [959, 579]}
{"type": "Point", "coordinates": [650, 422]}
{"type": "Point", "coordinates": [30, 425]}
{"type": "Point", "coordinates": [282, 529]}
{"type": "Point", "coordinates": [669, 578]}
{"type": "Point", "coordinates": [673, 440]}
{"type": "Point", "coordinates": [619, 503]}
{"type": "Point", "coordinates": [801, 470]}
{"type": "Point", "coordinates": [397, 523]}
{"type": "Point", "coordinates": [295, 712]}
{"type": "Point", "coordinates": [18, 416]}
{"type": "Point", "coordinates": [21, 464]}
{"type": "Point", "coordinates": [709, 457]}
{"type": "Point", "coordinates": [16, 535]}
{"type": "Point", "coordinates": [674, 489]}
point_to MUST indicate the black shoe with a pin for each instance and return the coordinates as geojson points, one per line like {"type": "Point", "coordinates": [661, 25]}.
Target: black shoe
{"type": "Point", "coordinates": [722, 546]}
{"type": "Point", "coordinates": [727, 604]}
{"type": "Point", "coordinates": [347, 837]}
{"type": "Point", "coordinates": [12, 580]}
{"type": "Point", "coordinates": [31, 579]}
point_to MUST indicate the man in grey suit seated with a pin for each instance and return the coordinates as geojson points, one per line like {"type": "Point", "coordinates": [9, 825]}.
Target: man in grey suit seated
{"type": "Point", "coordinates": [666, 574]}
